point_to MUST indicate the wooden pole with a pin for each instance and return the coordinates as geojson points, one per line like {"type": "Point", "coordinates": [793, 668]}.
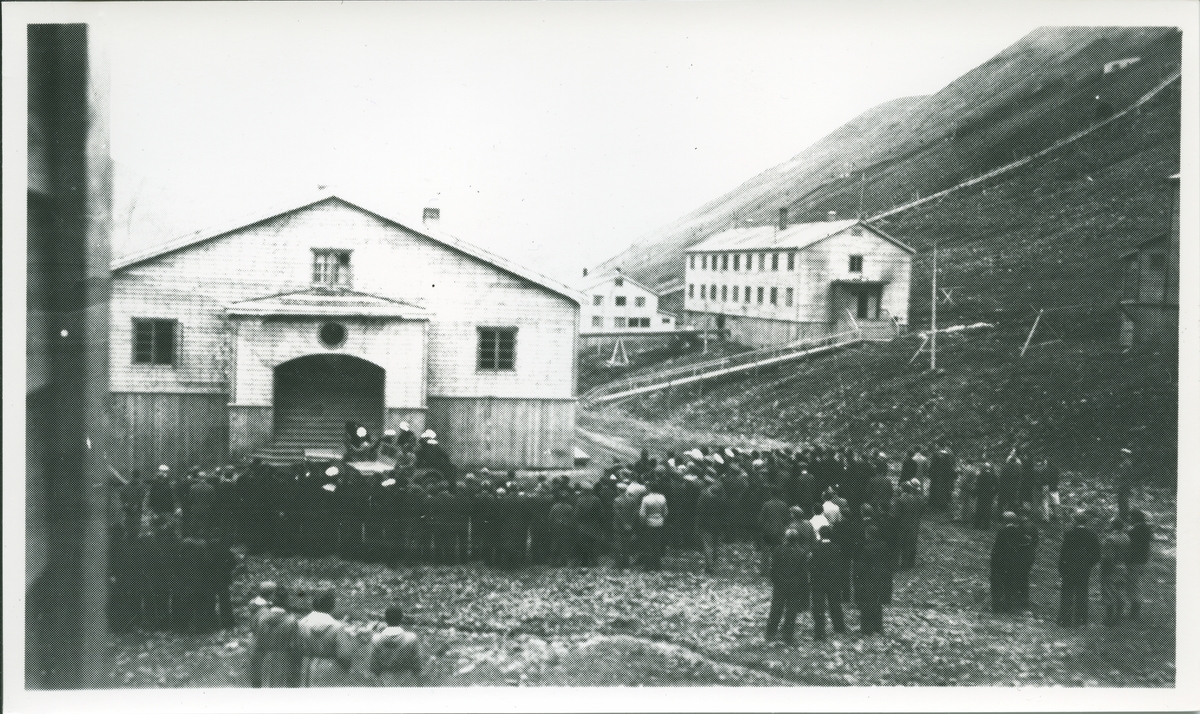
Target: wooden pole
{"type": "Point", "coordinates": [933, 315]}
{"type": "Point", "coordinates": [1029, 339]}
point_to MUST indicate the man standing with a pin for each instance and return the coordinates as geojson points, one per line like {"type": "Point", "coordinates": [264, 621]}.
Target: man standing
{"type": "Point", "coordinates": [825, 568]}
{"type": "Point", "coordinates": [908, 512]}
{"type": "Point", "coordinates": [1126, 478]}
{"type": "Point", "coordinates": [653, 517]}
{"type": "Point", "coordinates": [1047, 480]}
{"type": "Point", "coordinates": [772, 522]}
{"type": "Point", "coordinates": [789, 591]}
{"type": "Point", "coordinates": [625, 519]}
{"type": "Point", "coordinates": [322, 642]}
{"type": "Point", "coordinates": [1005, 563]}
{"type": "Point", "coordinates": [1079, 554]}
{"type": "Point", "coordinates": [968, 479]}
{"type": "Point", "coordinates": [1028, 556]}
{"type": "Point", "coordinates": [1140, 537]}
{"type": "Point", "coordinates": [985, 496]}
{"type": "Point", "coordinates": [394, 651]}
{"type": "Point", "coordinates": [872, 581]}
{"type": "Point", "coordinates": [941, 478]}
{"type": "Point", "coordinates": [274, 650]}
{"type": "Point", "coordinates": [1114, 559]}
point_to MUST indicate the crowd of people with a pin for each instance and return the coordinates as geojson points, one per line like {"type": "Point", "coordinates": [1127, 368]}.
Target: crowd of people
{"type": "Point", "coordinates": [831, 525]}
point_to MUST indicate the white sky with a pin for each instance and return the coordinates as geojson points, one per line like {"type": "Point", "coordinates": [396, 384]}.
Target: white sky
{"type": "Point", "coordinates": [552, 133]}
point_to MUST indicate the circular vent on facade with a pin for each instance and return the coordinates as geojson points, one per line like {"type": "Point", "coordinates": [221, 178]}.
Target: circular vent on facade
{"type": "Point", "coordinates": [333, 334]}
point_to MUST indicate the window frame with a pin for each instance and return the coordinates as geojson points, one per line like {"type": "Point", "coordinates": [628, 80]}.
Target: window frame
{"type": "Point", "coordinates": [597, 321]}
{"type": "Point", "coordinates": [856, 260]}
{"type": "Point", "coordinates": [639, 302]}
{"type": "Point", "coordinates": [320, 270]}
{"type": "Point", "coordinates": [789, 297]}
{"type": "Point", "coordinates": [154, 322]}
{"type": "Point", "coordinates": [480, 333]}
{"type": "Point", "coordinates": [620, 323]}
{"type": "Point", "coordinates": [597, 300]}
{"type": "Point", "coordinates": [791, 263]}
{"type": "Point", "coordinates": [619, 300]}
{"type": "Point", "coordinates": [774, 295]}
{"type": "Point", "coordinates": [691, 291]}
{"type": "Point", "coordinates": [619, 282]}
{"type": "Point", "coordinates": [737, 262]}
{"type": "Point", "coordinates": [774, 262]}
{"type": "Point", "coordinates": [760, 295]}
{"type": "Point", "coordinates": [724, 261]}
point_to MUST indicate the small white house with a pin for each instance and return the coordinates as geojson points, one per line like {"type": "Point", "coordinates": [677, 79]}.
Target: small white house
{"type": "Point", "coordinates": [270, 334]}
{"type": "Point", "coordinates": [774, 284]}
{"type": "Point", "coordinates": [615, 303]}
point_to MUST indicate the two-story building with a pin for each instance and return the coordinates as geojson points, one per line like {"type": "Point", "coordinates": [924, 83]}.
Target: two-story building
{"type": "Point", "coordinates": [616, 303]}
{"type": "Point", "coordinates": [272, 333]}
{"type": "Point", "coordinates": [769, 285]}
{"type": "Point", "coordinates": [1150, 285]}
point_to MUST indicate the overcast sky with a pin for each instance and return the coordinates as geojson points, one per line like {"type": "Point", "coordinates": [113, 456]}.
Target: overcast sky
{"type": "Point", "coordinates": [552, 133]}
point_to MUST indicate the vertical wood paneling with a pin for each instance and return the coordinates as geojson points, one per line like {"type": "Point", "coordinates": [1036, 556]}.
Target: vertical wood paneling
{"type": "Point", "coordinates": [180, 430]}
{"type": "Point", "coordinates": [505, 433]}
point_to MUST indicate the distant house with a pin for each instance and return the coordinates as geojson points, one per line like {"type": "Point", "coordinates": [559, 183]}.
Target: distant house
{"type": "Point", "coordinates": [1115, 65]}
{"type": "Point", "coordinates": [1150, 285]}
{"type": "Point", "coordinates": [770, 285]}
{"type": "Point", "coordinates": [266, 336]}
{"type": "Point", "coordinates": [614, 302]}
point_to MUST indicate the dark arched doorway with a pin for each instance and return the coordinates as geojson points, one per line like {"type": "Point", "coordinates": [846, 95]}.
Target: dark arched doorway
{"type": "Point", "coordinates": [316, 395]}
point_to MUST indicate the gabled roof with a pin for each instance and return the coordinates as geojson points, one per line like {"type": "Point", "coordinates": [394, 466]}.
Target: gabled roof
{"type": "Point", "coordinates": [794, 237]}
{"type": "Point", "coordinates": [436, 235]}
{"type": "Point", "coordinates": [594, 280]}
{"type": "Point", "coordinates": [326, 302]}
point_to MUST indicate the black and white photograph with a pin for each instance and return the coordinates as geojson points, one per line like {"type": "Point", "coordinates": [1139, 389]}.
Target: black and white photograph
{"type": "Point", "coordinates": [594, 356]}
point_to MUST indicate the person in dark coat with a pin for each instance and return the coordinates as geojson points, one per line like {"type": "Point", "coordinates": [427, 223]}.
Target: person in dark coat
{"type": "Point", "coordinates": [1140, 537]}
{"type": "Point", "coordinates": [514, 528]}
{"type": "Point", "coordinates": [825, 573]}
{"type": "Point", "coordinates": [880, 491]}
{"type": "Point", "coordinates": [872, 581]}
{"type": "Point", "coordinates": [711, 523]}
{"type": "Point", "coordinates": [985, 496]}
{"type": "Point", "coordinates": [1012, 476]}
{"type": "Point", "coordinates": [806, 486]}
{"type": "Point", "coordinates": [199, 507]}
{"type": "Point", "coordinates": [1028, 556]}
{"type": "Point", "coordinates": [590, 521]}
{"type": "Point", "coordinates": [789, 591]}
{"type": "Point", "coordinates": [942, 475]}
{"type": "Point", "coordinates": [1114, 562]}
{"type": "Point", "coordinates": [191, 572]}
{"type": "Point", "coordinates": [1079, 554]}
{"type": "Point", "coordinates": [563, 530]}
{"type": "Point", "coordinates": [772, 522]}
{"type": "Point", "coordinates": [908, 507]}
{"type": "Point", "coordinates": [222, 563]}
{"type": "Point", "coordinates": [1006, 562]}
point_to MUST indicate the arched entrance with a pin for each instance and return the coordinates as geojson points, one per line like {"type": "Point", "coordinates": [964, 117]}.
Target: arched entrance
{"type": "Point", "coordinates": [316, 395]}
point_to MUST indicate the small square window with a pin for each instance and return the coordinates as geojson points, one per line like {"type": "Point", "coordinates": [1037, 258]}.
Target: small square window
{"type": "Point", "coordinates": [497, 348]}
{"type": "Point", "coordinates": [665, 320]}
{"type": "Point", "coordinates": [774, 296]}
{"type": "Point", "coordinates": [619, 300]}
{"type": "Point", "coordinates": [619, 282]}
{"type": "Point", "coordinates": [597, 299]}
{"type": "Point", "coordinates": [154, 341]}
{"type": "Point", "coordinates": [331, 268]}
{"type": "Point", "coordinates": [597, 321]}
{"type": "Point", "coordinates": [619, 322]}
{"type": "Point", "coordinates": [856, 263]}
{"type": "Point", "coordinates": [639, 302]}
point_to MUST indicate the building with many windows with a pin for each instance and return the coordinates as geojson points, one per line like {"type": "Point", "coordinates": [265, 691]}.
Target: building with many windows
{"type": "Point", "coordinates": [770, 285]}
{"type": "Point", "coordinates": [267, 336]}
{"type": "Point", "coordinates": [615, 303]}
{"type": "Point", "coordinates": [1150, 285]}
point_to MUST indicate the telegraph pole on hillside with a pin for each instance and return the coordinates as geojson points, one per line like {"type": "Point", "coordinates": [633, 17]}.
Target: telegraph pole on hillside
{"type": "Point", "coordinates": [933, 314]}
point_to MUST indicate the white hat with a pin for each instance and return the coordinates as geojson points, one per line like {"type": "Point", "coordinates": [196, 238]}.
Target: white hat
{"type": "Point", "coordinates": [389, 432]}
{"type": "Point", "coordinates": [389, 482]}
{"type": "Point", "coordinates": [404, 426]}
{"type": "Point", "coordinates": [331, 471]}
{"type": "Point", "coordinates": [164, 467]}
{"type": "Point", "coordinates": [432, 441]}
{"type": "Point", "coordinates": [718, 459]}
{"type": "Point", "coordinates": [428, 434]}
{"type": "Point", "coordinates": [361, 431]}
{"type": "Point", "coordinates": [694, 453]}
{"type": "Point", "coordinates": [330, 487]}
{"type": "Point", "coordinates": [1123, 451]}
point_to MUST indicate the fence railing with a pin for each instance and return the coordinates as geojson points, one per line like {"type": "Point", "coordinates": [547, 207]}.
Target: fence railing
{"type": "Point", "coordinates": [661, 379]}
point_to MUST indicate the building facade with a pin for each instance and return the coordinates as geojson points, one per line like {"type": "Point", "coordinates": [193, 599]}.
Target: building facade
{"type": "Point", "coordinates": [770, 285]}
{"type": "Point", "coordinates": [1150, 285]}
{"type": "Point", "coordinates": [272, 334]}
{"type": "Point", "coordinates": [615, 303]}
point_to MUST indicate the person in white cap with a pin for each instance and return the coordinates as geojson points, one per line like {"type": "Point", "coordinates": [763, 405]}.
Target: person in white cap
{"type": "Point", "coordinates": [405, 438]}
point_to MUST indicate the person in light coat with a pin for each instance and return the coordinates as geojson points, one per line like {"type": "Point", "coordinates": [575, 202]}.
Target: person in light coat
{"type": "Point", "coordinates": [395, 654]}
{"type": "Point", "coordinates": [324, 645]}
{"type": "Point", "coordinates": [274, 651]}
{"type": "Point", "coordinates": [653, 516]}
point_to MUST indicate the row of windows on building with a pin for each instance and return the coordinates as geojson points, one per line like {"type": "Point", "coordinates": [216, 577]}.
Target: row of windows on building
{"type": "Point", "coordinates": [723, 261]}
{"type": "Point", "coordinates": [619, 301]}
{"type": "Point", "coordinates": [747, 294]}
{"type": "Point", "coordinates": [155, 342]}
{"type": "Point", "coordinates": [622, 322]}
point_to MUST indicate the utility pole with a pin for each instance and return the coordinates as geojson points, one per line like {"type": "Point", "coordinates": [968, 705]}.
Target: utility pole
{"type": "Point", "coordinates": [933, 314]}
{"type": "Point", "coordinates": [862, 187]}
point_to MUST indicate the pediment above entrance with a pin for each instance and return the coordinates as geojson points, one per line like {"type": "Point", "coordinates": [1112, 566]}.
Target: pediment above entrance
{"type": "Point", "coordinates": [321, 302]}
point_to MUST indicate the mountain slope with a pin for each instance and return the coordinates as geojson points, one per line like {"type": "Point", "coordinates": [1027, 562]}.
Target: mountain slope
{"type": "Point", "coordinates": [1041, 89]}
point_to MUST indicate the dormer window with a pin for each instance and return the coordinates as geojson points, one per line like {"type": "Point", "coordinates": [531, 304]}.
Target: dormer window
{"type": "Point", "coordinates": [619, 282]}
{"type": "Point", "coordinates": [331, 268]}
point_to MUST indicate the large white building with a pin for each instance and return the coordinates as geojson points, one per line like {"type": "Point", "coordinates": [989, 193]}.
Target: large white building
{"type": "Point", "coordinates": [271, 334]}
{"type": "Point", "coordinates": [615, 303]}
{"type": "Point", "coordinates": [770, 285]}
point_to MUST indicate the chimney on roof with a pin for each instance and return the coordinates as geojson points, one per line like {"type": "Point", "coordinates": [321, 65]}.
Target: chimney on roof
{"type": "Point", "coordinates": [431, 216]}
{"type": "Point", "coordinates": [783, 218]}
{"type": "Point", "coordinates": [831, 216]}
{"type": "Point", "coordinates": [585, 272]}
